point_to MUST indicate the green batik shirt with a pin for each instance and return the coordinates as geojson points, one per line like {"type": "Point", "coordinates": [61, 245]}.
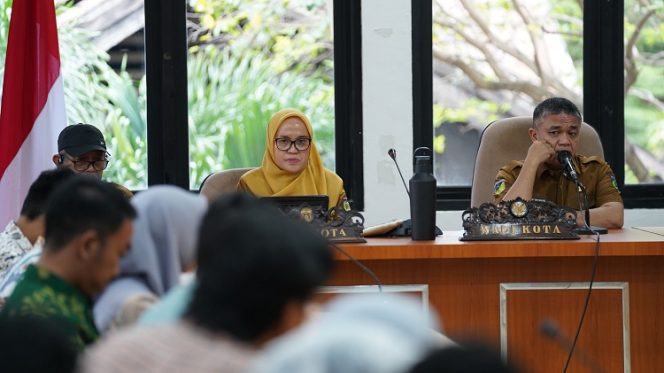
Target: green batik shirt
{"type": "Point", "coordinates": [41, 293]}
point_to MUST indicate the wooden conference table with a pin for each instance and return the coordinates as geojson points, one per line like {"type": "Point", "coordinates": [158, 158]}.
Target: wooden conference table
{"type": "Point", "coordinates": [500, 292]}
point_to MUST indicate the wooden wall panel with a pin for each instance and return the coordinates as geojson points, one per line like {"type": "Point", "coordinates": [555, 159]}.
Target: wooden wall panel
{"type": "Point", "coordinates": [600, 343]}
{"type": "Point", "coordinates": [464, 283]}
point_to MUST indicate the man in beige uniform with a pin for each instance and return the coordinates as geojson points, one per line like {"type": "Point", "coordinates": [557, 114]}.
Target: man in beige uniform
{"type": "Point", "coordinates": [556, 127]}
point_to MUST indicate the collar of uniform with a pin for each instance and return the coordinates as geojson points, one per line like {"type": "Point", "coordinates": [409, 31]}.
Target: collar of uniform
{"type": "Point", "coordinates": [557, 172]}
{"type": "Point", "coordinates": [544, 169]}
{"type": "Point", "coordinates": [16, 235]}
{"type": "Point", "coordinates": [577, 164]}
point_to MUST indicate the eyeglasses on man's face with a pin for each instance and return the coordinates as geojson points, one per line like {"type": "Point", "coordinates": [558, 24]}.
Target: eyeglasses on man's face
{"type": "Point", "coordinates": [284, 143]}
{"type": "Point", "coordinates": [84, 164]}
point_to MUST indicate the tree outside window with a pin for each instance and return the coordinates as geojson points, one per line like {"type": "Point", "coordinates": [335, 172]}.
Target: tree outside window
{"type": "Point", "coordinates": [499, 58]}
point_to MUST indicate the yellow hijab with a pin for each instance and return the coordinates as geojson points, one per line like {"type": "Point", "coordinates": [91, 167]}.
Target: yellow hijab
{"type": "Point", "coordinates": [270, 180]}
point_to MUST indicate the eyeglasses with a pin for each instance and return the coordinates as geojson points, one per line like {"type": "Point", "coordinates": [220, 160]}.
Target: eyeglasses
{"type": "Point", "coordinates": [284, 143]}
{"type": "Point", "coordinates": [82, 165]}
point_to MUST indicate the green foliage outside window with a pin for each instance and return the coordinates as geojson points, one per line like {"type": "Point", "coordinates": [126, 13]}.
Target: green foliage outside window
{"type": "Point", "coordinates": [509, 52]}
{"type": "Point", "coordinates": [229, 110]}
{"type": "Point", "coordinates": [247, 60]}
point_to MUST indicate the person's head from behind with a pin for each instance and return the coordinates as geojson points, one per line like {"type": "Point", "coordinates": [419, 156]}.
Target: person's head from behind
{"type": "Point", "coordinates": [468, 358]}
{"type": "Point", "coordinates": [557, 121]}
{"type": "Point", "coordinates": [165, 235]}
{"type": "Point", "coordinates": [34, 204]}
{"type": "Point", "coordinates": [40, 190]}
{"type": "Point", "coordinates": [34, 344]}
{"type": "Point", "coordinates": [256, 270]}
{"type": "Point", "coordinates": [82, 149]}
{"type": "Point", "coordinates": [381, 333]}
{"type": "Point", "coordinates": [289, 140]}
{"type": "Point", "coordinates": [89, 226]}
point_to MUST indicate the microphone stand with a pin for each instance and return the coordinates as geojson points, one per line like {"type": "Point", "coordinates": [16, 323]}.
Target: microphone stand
{"type": "Point", "coordinates": [583, 204]}
{"type": "Point", "coordinates": [406, 226]}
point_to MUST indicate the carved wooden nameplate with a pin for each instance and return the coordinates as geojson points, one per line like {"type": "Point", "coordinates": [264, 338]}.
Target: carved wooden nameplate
{"type": "Point", "coordinates": [336, 224]}
{"type": "Point", "coordinates": [519, 220]}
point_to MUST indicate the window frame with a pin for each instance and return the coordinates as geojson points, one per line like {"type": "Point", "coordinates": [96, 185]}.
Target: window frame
{"type": "Point", "coordinates": [167, 109]}
{"type": "Point", "coordinates": [348, 99]}
{"type": "Point", "coordinates": [602, 72]}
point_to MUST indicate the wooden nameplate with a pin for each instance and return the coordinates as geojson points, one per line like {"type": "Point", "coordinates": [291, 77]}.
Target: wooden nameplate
{"type": "Point", "coordinates": [338, 224]}
{"type": "Point", "coordinates": [519, 220]}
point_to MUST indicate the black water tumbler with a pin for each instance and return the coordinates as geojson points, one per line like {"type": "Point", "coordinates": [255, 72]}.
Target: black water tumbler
{"type": "Point", "coordinates": [423, 197]}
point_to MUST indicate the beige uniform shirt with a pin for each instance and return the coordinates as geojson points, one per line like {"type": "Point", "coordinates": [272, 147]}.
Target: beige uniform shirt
{"type": "Point", "coordinates": [552, 185]}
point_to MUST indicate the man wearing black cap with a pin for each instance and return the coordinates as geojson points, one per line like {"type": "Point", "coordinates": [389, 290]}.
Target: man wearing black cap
{"type": "Point", "coordinates": [82, 148]}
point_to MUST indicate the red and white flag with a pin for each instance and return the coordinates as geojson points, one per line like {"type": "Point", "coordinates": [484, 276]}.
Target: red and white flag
{"type": "Point", "coordinates": [33, 107]}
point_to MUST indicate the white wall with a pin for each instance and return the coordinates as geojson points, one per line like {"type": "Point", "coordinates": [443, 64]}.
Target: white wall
{"type": "Point", "coordinates": [387, 108]}
{"type": "Point", "coordinates": [387, 118]}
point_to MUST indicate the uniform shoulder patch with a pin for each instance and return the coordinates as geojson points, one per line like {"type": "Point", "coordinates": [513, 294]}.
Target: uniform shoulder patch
{"type": "Point", "coordinates": [499, 187]}
{"type": "Point", "coordinates": [614, 182]}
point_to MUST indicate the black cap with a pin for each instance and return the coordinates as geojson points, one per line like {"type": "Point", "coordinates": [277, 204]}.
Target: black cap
{"type": "Point", "coordinates": [81, 138]}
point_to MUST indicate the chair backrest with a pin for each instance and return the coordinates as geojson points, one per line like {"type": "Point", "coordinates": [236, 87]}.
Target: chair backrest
{"type": "Point", "coordinates": [507, 139]}
{"type": "Point", "coordinates": [221, 182]}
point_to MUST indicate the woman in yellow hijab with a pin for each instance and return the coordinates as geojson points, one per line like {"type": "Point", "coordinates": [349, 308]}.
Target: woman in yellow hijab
{"type": "Point", "coordinates": [291, 163]}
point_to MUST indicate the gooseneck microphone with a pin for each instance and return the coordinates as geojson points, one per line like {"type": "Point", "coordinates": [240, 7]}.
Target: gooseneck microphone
{"type": "Point", "coordinates": [565, 159]}
{"type": "Point", "coordinates": [393, 154]}
{"type": "Point", "coordinates": [550, 329]}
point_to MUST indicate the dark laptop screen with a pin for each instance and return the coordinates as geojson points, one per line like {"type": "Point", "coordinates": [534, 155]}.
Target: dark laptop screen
{"type": "Point", "coordinates": [288, 203]}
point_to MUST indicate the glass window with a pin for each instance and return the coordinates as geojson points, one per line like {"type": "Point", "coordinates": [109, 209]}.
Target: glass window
{"type": "Point", "coordinates": [102, 65]}
{"type": "Point", "coordinates": [494, 59]}
{"type": "Point", "coordinates": [103, 68]}
{"type": "Point", "coordinates": [247, 60]}
{"type": "Point", "coordinates": [644, 92]}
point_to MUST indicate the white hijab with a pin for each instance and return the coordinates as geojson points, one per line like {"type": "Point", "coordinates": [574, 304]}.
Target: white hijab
{"type": "Point", "coordinates": [164, 242]}
{"type": "Point", "coordinates": [378, 333]}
